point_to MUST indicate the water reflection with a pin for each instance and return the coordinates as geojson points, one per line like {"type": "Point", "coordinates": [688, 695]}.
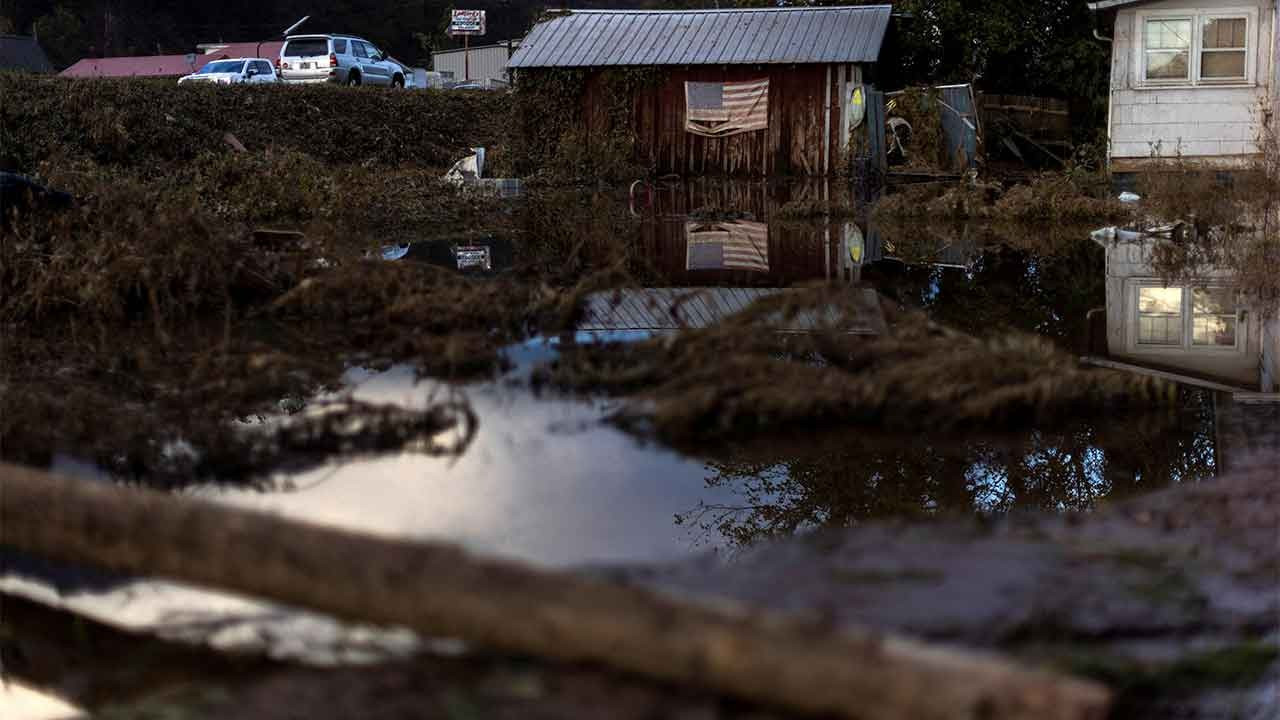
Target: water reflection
{"type": "Point", "coordinates": [546, 480]}
{"type": "Point", "coordinates": [841, 480]}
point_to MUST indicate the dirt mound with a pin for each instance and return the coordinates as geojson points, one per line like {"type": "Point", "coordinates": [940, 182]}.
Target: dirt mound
{"type": "Point", "coordinates": [744, 376]}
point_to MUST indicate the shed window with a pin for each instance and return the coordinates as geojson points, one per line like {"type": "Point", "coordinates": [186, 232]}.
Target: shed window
{"type": "Point", "coordinates": [1160, 316]}
{"type": "Point", "coordinates": [1168, 48]}
{"type": "Point", "coordinates": [1222, 55]}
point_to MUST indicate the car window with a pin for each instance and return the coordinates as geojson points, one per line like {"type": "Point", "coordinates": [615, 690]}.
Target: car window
{"type": "Point", "coordinates": [340, 46]}
{"type": "Point", "coordinates": [374, 52]}
{"type": "Point", "coordinates": [222, 66]}
{"type": "Point", "coordinates": [263, 67]}
{"type": "Point", "coordinates": [359, 49]}
{"type": "Point", "coordinates": [306, 47]}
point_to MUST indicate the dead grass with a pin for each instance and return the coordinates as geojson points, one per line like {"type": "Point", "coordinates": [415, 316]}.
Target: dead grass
{"type": "Point", "coordinates": [1053, 198]}
{"type": "Point", "coordinates": [1231, 223]}
{"type": "Point", "coordinates": [743, 377]}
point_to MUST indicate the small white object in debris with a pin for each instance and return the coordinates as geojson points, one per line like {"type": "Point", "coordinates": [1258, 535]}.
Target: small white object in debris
{"type": "Point", "coordinates": [1128, 197]}
{"type": "Point", "coordinates": [395, 252]}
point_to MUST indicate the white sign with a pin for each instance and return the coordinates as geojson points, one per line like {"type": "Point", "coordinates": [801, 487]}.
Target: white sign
{"type": "Point", "coordinates": [467, 22]}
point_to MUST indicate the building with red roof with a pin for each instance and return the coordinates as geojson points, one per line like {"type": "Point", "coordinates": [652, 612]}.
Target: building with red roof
{"type": "Point", "coordinates": [169, 65]}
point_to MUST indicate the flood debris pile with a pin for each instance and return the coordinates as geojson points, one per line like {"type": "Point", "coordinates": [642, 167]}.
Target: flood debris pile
{"type": "Point", "coordinates": [1213, 223]}
{"type": "Point", "coordinates": [1051, 197]}
{"type": "Point", "coordinates": [743, 376]}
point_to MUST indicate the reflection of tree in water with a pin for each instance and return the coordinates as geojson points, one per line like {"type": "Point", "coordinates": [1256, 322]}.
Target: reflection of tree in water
{"type": "Point", "coordinates": [839, 481]}
{"type": "Point", "coordinates": [1046, 292]}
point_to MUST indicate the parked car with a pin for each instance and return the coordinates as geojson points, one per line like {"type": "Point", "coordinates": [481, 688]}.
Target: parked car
{"type": "Point", "coordinates": [343, 59]}
{"type": "Point", "coordinates": [233, 72]}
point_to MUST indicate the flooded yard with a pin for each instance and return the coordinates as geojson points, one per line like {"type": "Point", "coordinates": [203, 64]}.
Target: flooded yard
{"type": "Point", "coordinates": [598, 447]}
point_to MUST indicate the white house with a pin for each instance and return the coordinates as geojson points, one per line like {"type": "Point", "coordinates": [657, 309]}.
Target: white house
{"type": "Point", "coordinates": [1190, 78]}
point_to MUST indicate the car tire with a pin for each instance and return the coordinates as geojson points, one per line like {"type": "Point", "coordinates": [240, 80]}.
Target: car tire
{"type": "Point", "coordinates": [398, 82]}
{"type": "Point", "coordinates": [353, 79]}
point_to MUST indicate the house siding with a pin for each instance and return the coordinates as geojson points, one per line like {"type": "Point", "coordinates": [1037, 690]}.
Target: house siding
{"type": "Point", "coordinates": [1218, 124]}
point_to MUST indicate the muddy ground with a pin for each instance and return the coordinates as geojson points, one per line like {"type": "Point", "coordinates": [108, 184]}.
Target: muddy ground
{"type": "Point", "coordinates": [195, 287]}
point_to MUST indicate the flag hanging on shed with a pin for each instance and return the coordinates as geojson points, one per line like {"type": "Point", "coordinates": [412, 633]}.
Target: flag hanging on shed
{"type": "Point", "coordinates": [715, 109]}
{"type": "Point", "coordinates": [733, 245]}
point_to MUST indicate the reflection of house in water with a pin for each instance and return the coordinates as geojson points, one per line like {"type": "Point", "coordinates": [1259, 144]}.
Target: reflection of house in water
{"type": "Point", "coordinates": [1197, 333]}
{"type": "Point", "coordinates": [1196, 328]}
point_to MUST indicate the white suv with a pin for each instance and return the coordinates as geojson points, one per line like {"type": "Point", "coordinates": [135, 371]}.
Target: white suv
{"type": "Point", "coordinates": [342, 59]}
{"type": "Point", "coordinates": [233, 72]}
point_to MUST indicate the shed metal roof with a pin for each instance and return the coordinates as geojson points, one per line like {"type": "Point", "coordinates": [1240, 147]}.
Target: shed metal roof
{"type": "Point", "coordinates": [21, 52]}
{"type": "Point", "coordinates": [664, 309]}
{"type": "Point", "coordinates": [592, 38]}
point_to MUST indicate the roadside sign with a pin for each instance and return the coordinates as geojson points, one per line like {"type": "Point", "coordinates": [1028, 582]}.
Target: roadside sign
{"type": "Point", "coordinates": [467, 22]}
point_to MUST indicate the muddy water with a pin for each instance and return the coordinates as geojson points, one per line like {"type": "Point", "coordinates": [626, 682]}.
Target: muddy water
{"type": "Point", "coordinates": [549, 480]}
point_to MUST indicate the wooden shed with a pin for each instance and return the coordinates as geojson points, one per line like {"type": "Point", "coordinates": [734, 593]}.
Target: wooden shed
{"type": "Point", "coordinates": [743, 92]}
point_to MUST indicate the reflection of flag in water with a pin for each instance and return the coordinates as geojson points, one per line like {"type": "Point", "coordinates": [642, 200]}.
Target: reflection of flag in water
{"type": "Point", "coordinates": [719, 109]}
{"type": "Point", "coordinates": [730, 245]}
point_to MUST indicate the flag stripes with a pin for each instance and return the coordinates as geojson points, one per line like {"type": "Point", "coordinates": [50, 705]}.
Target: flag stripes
{"type": "Point", "coordinates": [714, 109]}
{"type": "Point", "coordinates": [734, 245]}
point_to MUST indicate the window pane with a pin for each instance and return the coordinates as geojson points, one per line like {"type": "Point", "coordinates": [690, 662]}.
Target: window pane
{"type": "Point", "coordinates": [1167, 65]}
{"type": "Point", "coordinates": [1168, 34]}
{"type": "Point", "coordinates": [1160, 330]}
{"type": "Point", "coordinates": [1213, 301]}
{"type": "Point", "coordinates": [1160, 300]}
{"type": "Point", "coordinates": [1222, 64]}
{"type": "Point", "coordinates": [1214, 331]}
{"type": "Point", "coordinates": [1224, 32]}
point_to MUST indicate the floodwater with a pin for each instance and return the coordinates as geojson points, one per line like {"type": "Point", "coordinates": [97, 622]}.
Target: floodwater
{"type": "Point", "coordinates": [549, 480]}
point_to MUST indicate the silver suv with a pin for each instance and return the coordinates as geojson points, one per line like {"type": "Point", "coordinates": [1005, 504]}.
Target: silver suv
{"type": "Point", "coordinates": [343, 59]}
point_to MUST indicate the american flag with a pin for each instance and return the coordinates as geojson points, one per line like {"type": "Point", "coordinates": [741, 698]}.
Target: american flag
{"type": "Point", "coordinates": [715, 109]}
{"type": "Point", "coordinates": [734, 245]}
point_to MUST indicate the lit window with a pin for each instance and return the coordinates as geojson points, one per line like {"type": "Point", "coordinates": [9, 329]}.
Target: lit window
{"type": "Point", "coordinates": [1223, 49]}
{"type": "Point", "coordinates": [1168, 48]}
{"type": "Point", "coordinates": [1213, 318]}
{"type": "Point", "coordinates": [1160, 316]}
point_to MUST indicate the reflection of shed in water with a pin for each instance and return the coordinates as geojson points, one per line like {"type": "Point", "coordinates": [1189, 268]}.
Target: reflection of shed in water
{"type": "Point", "coordinates": [736, 233]}
{"type": "Point", "coordinates": [663, 309]}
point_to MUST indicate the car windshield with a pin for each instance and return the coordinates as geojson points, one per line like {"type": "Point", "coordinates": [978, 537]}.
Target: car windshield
{"type": "Point", "coordinates": [309, 47]}
{"type": "Point", "coordinates": [222, 66]}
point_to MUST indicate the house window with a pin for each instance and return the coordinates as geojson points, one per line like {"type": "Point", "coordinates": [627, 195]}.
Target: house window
{"type": "Point", "coordinates": [1224, 47]}
{"type": "Point", "coordinates": [1168, 48]}
{"type": "Point", "coordinates": [1185, 318]}
{"type": "Point", "coordinates": [1213, 318]}
{"type": "Point", "coordinates": [1193, 48]}
{"type": "Point", "coordinates": [1160, 316]}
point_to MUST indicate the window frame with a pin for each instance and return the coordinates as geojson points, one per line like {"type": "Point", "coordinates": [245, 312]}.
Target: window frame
{"type": "Point", "coordinates": [1188, 320]}
{"type": "Point", "coordinates": [1194, 61]}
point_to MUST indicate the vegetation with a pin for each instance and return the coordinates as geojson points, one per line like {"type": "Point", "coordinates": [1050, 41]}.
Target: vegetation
{"type": "Point", "coordinates": [136, 123]}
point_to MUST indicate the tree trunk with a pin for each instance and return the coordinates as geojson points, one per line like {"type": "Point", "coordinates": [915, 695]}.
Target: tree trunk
{"type": "Point", "coordinates": [439, 589]}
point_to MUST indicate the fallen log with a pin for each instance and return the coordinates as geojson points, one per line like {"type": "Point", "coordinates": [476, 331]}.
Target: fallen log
{"type": "Point", "coordinates": [439, 589]}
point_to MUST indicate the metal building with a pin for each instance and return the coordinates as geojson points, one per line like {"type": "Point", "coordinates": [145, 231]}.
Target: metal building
{"type": "Point", "coordinates": [742, 91]}
{"type": "Point", "coordinates": [480, 63]}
